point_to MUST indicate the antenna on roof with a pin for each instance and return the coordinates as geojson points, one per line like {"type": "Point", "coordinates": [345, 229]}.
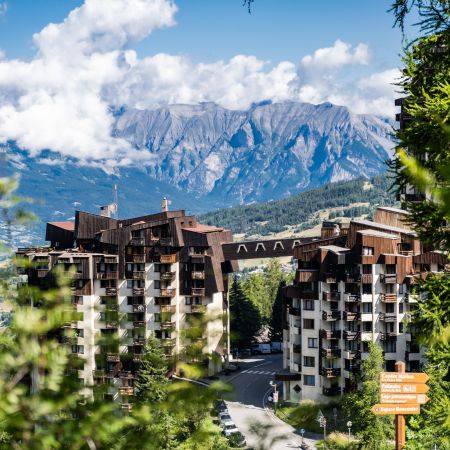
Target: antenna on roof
{"type": "Point", "coordinates": [116, 202]}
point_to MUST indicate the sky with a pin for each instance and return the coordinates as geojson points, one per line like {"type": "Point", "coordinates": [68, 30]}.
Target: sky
{"type": "Point", "coordinates": [64, 64]}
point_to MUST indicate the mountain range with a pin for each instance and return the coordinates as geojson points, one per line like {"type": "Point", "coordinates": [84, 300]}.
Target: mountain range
{"type": "Point", "coordinates": [205, 157]}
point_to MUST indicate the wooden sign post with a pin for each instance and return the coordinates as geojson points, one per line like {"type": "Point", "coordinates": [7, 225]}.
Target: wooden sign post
{"type": "Point", "coordinates": [400, 432]}
{"type": "Point", "coordinates": [401, 393]}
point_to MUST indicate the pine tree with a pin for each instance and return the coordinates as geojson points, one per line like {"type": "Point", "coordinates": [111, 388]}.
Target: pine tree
{"type": "Point", "coordinates": [151, 381]}
{"type": "Point", "coordinates": [373, 431]}
{"type": "Point", "coordinates": [276, 322]}
{"type": "Point", "coordinates": [245, 320]}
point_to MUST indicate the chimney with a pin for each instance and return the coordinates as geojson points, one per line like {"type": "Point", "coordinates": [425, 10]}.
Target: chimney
{"type": "Point", "coordinates": [105, 211]}
{"type": "Point", "coordinates": [165, 205]}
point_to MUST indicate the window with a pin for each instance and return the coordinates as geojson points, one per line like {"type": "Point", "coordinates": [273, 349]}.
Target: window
{"type": "Point", "coordinates": [80, 332]}
{"type": "Point", "coordinates": [390, 269]}
{"type": "Point", "coordinates": [308, 305]}
{"type": "Point", "coordinates": [400, 308]}
{"type": "Point", "coordinates": [366, 288]}
{"type": "Point", "coordinates": [157, 284]}
{"type": "Point", "coordinates": [157, 317]}
{"type": "Point", "coordinates": [308, 361]}
{"type": "Point", "coordinates": [188, 300]}
{"type": "Point", "coordinates": [365, 346]}
{"type": "Point", "coordinates": [308, 324]}
{"type": "Point", "coordinates": [129, 284]}
{"type": "Point", "coordinates": [157, 267]}
{"type": "Point", "coordinates": [367, 269]}
{"type": "Point", "coordinates": [400, 327]}
{"type": "Point", "coordinates": [309, 380]}
{"type": "Point", "coordinates": [390, 347]}
{"type": "Point", "coordinates": [389, 308]}
{"type": "Point", "coordinates": [367, 326]}
{"type": "Point", "coordinates": [129, 300]}
{"type": "Point", "coordinates": [312, 342]}
{"type": "Point", "coordinates": [401, 288]}
{"type": "Point", "coordinates": [78, 349]}
{"type": "Point", "coordinates": [129, 267]}
{"type": "Point", "coordinates": [367, 251]}
{"type": "Point", "coordinates": [366, 308]}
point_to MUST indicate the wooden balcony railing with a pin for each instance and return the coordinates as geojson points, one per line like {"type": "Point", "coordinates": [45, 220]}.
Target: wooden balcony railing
{"type": "Point", "coordinates": [168, 259]}
{"type": "Point", "coordinates": [328, 334]}
{"type": "Point", "coordinates": [167, 292]}
{"type": "Point", "coordinates": [198, 309]}
{"type": "Point", "coordinates": [126, 390]}
{"type": "Point", "coordinates": [167, 276]}
{"type": "Point", "coordinates": [388, 278]}
{"type": "Point", "coordinates": [331, 296]}
{"type": "Point", "coordinates": [167, 325]}
{"type": "Point", "coordinates": [388, 298]}
{"type": "Point", "coordinates": [111, 291]}
{"type": "Point", "coordinates": [366, 278]}
{"type": "Point", "coordinates": [168, 309]}
{"type": "Point", "coordinates": [112, 357]}
{"type": "Point", "coordinates": [168, 342]}
{"type": "Point", "coordinates": [138, 308]}
{"type": "Point", "coordinates": [138, 291]}
{"type": "Point", "coordinates": [329, 372]}
{"type": "Point", "coordinates": [352, 298]}
{"type": "Point", "coordinates": [306, 276]}
{"type": "Point", "coordinates": [351, 316]}
{"type": "Point", "coordinates": [137, 241]}
{"type": "Point", "coordinates": [388, 317]}
{"type": "Point", "coordinates": [139, 275]}
{"type": "Point", "coordinates": [198, 275]}
{"type": "Point", "coordinates": [330, 353]}
{"type": "Point", "coordinates": [331, 315]}
{"type": "Point", "coordinates": [107, 275]}
{"type": "Point", "coordinates": [352, 335]}
{"type": "Point", "coordinates": [198, 292]}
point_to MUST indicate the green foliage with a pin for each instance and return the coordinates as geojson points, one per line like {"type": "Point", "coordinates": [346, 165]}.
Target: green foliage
{"type": "Point", "coordinates": [151, 381]}
{"type": "Point", "coordinates": [298, 210]}
{"type": "Point", "coordinates": [340, 441]}
{"type": "Point", "coordinates": [276, 320]}
{"type": "Point", "coordinates": [245, 318]}
{"type": "Point", "coordinates": [262, 288]}
{"type": "Point", "coordinates": [373, 431]}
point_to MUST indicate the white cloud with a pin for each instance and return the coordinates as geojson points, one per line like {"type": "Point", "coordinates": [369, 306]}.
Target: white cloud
{"type": "Point", "coordinates": [61, 98]}
{"type": "Point", "coordinates": [3, 8]}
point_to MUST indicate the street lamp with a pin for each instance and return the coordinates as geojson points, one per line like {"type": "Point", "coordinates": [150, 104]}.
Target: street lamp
{"type": "Point", "coordinates": [349, 426]}
{"type": "Point", "coordinates": [302, 432]}
{"type": "Point", "coordinates": [323, 424]}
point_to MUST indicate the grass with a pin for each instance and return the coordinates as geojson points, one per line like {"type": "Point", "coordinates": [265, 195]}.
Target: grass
{"type": "Point", "coordinates": [304, 415]}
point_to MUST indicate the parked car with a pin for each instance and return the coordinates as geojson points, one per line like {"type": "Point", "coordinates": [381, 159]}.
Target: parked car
{"type": "Point", "coordinates": [229, 427]}
{"type": "Point", "coordinates": [237, 440]}
{"type": "Point", "coordinates": [224, 417]}
{"type": "Point", "coordinates": [221, 407]}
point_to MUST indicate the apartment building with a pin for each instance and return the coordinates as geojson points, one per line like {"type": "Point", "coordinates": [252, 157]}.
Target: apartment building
{"type": "Point", "coordinates": [149, 275]}
{"type": "Point", "coordinates": [352, 286]}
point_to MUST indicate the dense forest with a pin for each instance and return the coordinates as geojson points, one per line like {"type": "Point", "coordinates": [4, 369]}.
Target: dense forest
{"type": "Point", "coordinates": [300, 210]}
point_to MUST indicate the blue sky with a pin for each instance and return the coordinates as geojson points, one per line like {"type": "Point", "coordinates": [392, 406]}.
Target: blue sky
{"type": "Point", "coordinates": [65, 63]}
{"type": "Point", "coordinates": [208, 30]}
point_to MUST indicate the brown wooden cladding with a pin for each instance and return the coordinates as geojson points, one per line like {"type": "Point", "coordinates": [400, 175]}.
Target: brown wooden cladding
{"type": "Point", "coordinates": [306, 276]}
{"type": "Point", "coordinates": [59, 237]}
{"type": "Point", "coordinates": [431, 258]}
{"type": "Point", "coordinates": [391, 217]}
{"type": "Point", "coordinates": [308, 248]}
{"type": "Point", "coordinates": [88, 225]}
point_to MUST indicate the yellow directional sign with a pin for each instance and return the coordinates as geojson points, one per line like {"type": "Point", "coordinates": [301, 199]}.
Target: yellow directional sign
{"type": "Point", "coordinates": [387, 408]}
{"type": "Point", "coordinates": [404, 398]}
{"type": "Point", "coordinates": [403, 377]}
{"type": "Point", "coordinates": [404, 388]}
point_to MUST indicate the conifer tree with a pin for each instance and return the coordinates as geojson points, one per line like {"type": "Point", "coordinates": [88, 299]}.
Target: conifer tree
{"type": "Point", "coordinates": [276, 322]}
{"type": "Point", "coordinates": [151, 381]}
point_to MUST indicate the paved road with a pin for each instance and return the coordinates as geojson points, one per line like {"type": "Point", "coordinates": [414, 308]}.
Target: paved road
{"type": "Point", "coordinates": [248, 409]}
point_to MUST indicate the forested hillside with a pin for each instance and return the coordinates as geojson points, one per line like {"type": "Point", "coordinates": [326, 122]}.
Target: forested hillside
{"type": "Point", "coordinates": [343, 199]}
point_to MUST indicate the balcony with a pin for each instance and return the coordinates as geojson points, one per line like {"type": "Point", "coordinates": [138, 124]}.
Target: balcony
{"type": "Point", "coordinates": [167, 276]}
{"type": "Point", "coordinates": [388, 317]}
{"type": "Point", "coordinates": [350, 354]}
{"type": "Point", "coordinates": [139, 340]}
{"type": "Point", "coordinates": [111, 324]}
{"type": "Point", "coordinates": [331, 391]}
{"type": "Point", "coordinates": [70, 340]}
{"type": "Point", "coordinates": [107, 275]}
{"type": "Point", "coordinates": [126, 374]}
{"type": "Point", "coordinates": [198, 275]}
{"type": "Point", "coordinates": [388, 298]}
{"type": "Point", "coordinates": [168, 259]}
{"type": "Point", "coordinates": [42, 272]}
{"type": "Point", "coordinates": [168, 308]}
{"type": "Point", "coordinates": [197, 292]}
{"type": "Point", "coordinates": [139, 291]}
{"type": "Point", "coordinates": [167, 292]}
{"type": "Point", "coordinates": [352, 298]}
{"type": "Point", "coordinates": [137, 258]}
{"type": "Point", "coordinates": [295, 311]}
{"type": "Point", "coordinates": [366, 278]}
{"type": "Point", "coordinates": [137, 242]}
{"type": "Point", "coordinates": [412, 298]}
{"type": "Point", "coordinates": [138, 275]}
{"type": "Point", "coordinates": [330, 278]}
{"type": "Point", "coordinates": [388, 278]}
{"type": "Point", "coordinates": [296, 348]}
{"type": "Point", "coordinates": [330, 353]}
{"type": "Point", "coordinates": [198, 309]}
{"type": "Point", "coordinates": [126, 390]}
{"type": "Point", "coordinates": [306, 276]}
{"type": "Point", "coordinates": [351, 316]}
{"type": "Point", "coordinates": [137, 357]}
{"type": "Point", "coordinates": [352, 335]}
{"type": "Point", "coordinates": [138, 323]}
{"type": "Point", "coordinates": [112, 357]}
{"type": "Point", "coordinates": [98, 373]}
{"type": "Point", "coordinates": [112, 307]}
{"type": "Point", "coordinates": [111, 291]}
{"type": "Point", "coordinates": [168, 342]}
{"type": "Point", "coordinates": [138, 308]}
{"type": "Point", "coordinates": [353, 278]}
{"type": "Point", "coordinates": [331, 296]}
{"type": "Point", "coordinates": [330, 372]}
{"type": "Point", "coordinates": [127, 407]}
{"type": "Point", "coordinates": [331, 315]}
{"type": "Point", "coordinates": [390, 336]}
{"type": "Point", "coordinates": [328, 334]}
{"type": "Point", "coordinates": [167, 325]}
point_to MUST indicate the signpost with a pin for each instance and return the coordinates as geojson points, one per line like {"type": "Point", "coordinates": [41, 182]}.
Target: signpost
{"type": "Point", "coordinates": [401, 393]}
